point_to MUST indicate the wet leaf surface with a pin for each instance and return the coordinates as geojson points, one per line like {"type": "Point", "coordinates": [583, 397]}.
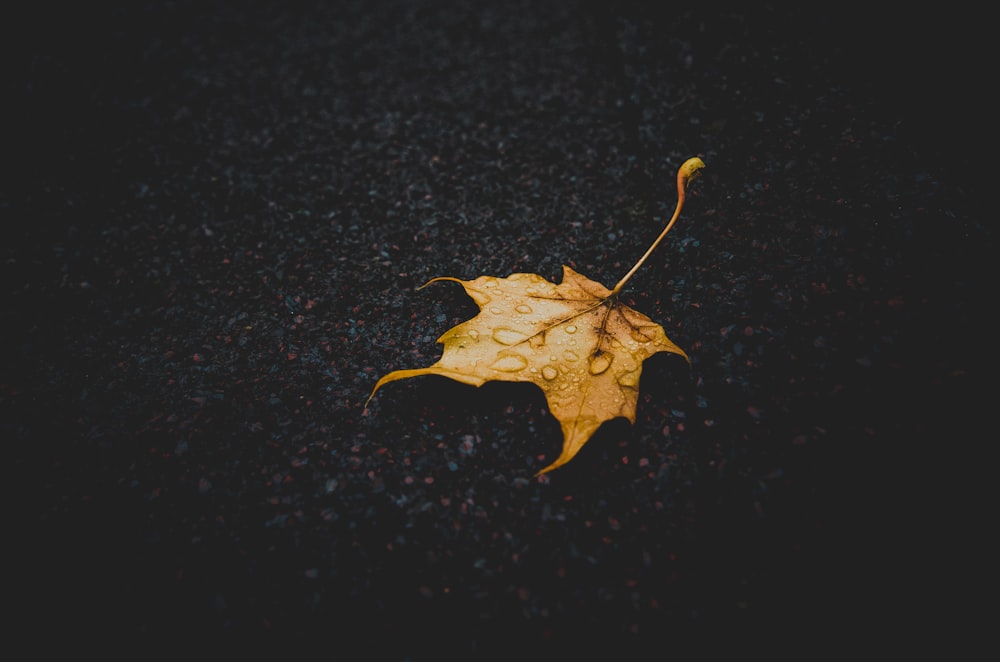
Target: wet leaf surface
{"type": "Point", "coordinates": [574, 340]}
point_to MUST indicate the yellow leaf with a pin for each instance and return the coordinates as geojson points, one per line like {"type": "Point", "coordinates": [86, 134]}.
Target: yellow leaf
{"type": "Point", "coordinates": [581, 346]}
{"type": "Point", "coordinates": [575, 340]}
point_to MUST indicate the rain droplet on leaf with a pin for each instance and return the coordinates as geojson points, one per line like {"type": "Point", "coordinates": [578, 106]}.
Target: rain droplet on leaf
{"type": "Point", "coordinates": [506, 336]}
{"type": "Point", "coordinates": [599, 364]}
{"type": "Point", "coordinates": [629, 379]}
{"type": "Point", "coordinates": [510, 363]}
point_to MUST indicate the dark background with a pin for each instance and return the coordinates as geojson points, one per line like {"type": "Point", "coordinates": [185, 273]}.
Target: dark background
{"type": "Point", "coordinates": [215, 216]}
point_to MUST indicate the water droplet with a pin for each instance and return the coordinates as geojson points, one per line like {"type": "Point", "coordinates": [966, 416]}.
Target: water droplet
{"type": "Point", "coordinates": [473, 334]}
{"type": "Point", "coordinates": [506, 336]}
{"type": "Point", "coordinates": [496, 311]}
{"type": "Point", "coordinates": [537, 340]}
{"type": "Point", "coordinates": [570, 355]}
{"type": "Point", "coordinates": [639, 336]}
{"type": "Point", "coordinates": [510, 363]}
{"type": "Point", "coordinates": [629, 379]}
{"type": "Point", "coordinates": [600, 363]}
{"type": "Point", "coordinates": [550, 373]}
{"type": "Point", "coordinates": [523, 309]}
{"type": "Point", "coordinates": [571, 329]}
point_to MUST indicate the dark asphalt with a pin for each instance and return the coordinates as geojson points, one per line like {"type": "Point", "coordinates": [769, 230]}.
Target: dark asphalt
{"type": "Point", "coordinates": [215, 216]}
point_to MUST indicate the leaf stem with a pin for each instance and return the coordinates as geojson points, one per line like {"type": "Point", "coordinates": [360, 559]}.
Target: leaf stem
{"type": "Point", "coordinates": [689, 171]}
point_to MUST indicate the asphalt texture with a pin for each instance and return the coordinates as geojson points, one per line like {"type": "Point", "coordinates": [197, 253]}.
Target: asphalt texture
{"type": "Point", "coordinates": [216, 216]}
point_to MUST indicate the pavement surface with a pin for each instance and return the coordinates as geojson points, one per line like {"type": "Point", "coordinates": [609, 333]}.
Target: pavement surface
{"type": "Point", "coordinates": [215, 218]}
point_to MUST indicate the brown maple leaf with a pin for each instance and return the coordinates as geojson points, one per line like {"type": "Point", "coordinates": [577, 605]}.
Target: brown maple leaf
{"type": "Point", "coordinates": [576, 341]}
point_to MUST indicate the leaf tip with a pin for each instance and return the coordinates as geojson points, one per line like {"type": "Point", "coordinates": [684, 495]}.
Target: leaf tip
{"type": "Point", "coordinates": [434, 280]}
{"type": "Point", "coordinates": [369, 399]}
{"type": "Point", "coordinates": [559, 461]}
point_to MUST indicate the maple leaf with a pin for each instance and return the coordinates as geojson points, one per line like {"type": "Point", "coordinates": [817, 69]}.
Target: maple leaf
{"type": "Point", "coordinates": [575, 340]}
